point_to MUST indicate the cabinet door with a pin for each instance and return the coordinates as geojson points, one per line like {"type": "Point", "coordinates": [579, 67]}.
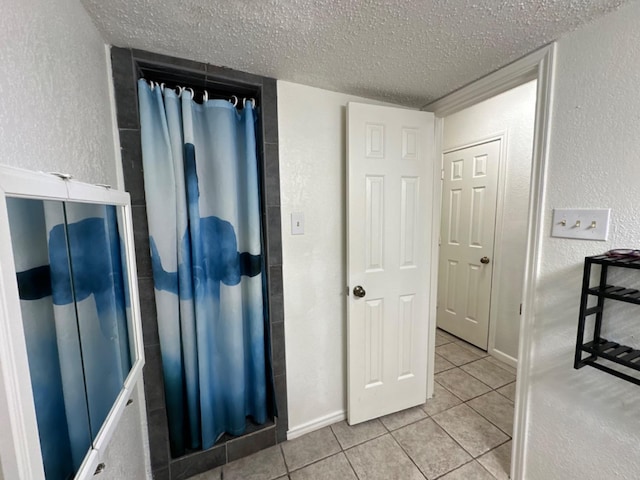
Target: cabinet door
{"type": "Point", "coordinates": [40, 250]}
{"type": "Point", "coordinates": [98, 279]}
{"type": "Point", "coordinates": [74, 301]}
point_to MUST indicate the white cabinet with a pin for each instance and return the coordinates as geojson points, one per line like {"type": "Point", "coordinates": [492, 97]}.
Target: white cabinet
{"type": "Point", "coordinates": [71, 346]}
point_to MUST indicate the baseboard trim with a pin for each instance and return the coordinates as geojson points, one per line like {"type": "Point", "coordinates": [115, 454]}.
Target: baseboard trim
{"type": "Point", "coordinates": [316, 424]}
{"type": "Point", "coordinates": [503, 357]}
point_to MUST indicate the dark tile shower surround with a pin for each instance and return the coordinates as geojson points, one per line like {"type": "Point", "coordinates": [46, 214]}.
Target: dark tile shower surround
{"type": "Point", "coordinates": [128, 65]}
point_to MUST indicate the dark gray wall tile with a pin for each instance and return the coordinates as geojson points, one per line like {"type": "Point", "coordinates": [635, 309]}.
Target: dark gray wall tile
{"type": "Point", "coordinates": [148, 311]}
{"type": "Point", "coordinates": [132, 165]}
{"type": "Point", "coordinates": [125, 88]}
{"type": "Point", "coordinates": [281, 434]}
{"type": "Point", "coordinates": [270, 110]}
{"type": "Point", "coordinates": [187, 466]}
{"type": "Point", "coordinates": [272, 175]}
{"type": "Point", "coordinates": [248, 444]}
{"type": "Point", "coordinates": [158, 439]}
{"type": "Point", "coordinates": [181, 63]}
{"type": "Point", "coordinates": [278, 348]}
{"type": "Point", "coordinates": [281, 400]}
{"type": "Point", "coordinates": [274, 236]}
{"type": "Point", "coordinates": [153, 382]}
{"type": "Point", "coordinates": [276, 308]}
{"type": "Point", "coordinates": [163, 474]}
{"type": "Point", "coordinates": [275, 280]}
{"type": "Point", "coordinates": [141, 240]}
{"type": "Point", "coordinates": [222, 73]}
{"type": "Point", "coordinates": [197, 74]}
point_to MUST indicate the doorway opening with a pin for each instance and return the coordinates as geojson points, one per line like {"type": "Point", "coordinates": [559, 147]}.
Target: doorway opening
{"type": "Point", "coordinates": [486, 159]}
{"type": "Point", "coordinates": [536, 66]}
{"type": "Point", "coordinates": [486, 153]}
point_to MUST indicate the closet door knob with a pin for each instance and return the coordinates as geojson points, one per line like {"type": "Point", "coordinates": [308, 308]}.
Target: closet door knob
{"type": "Point", "coordinates": [484, 260]}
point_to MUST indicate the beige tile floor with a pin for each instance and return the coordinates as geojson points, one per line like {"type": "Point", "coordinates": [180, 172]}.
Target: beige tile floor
{"type": "Point", "coordinates": [462, 433]}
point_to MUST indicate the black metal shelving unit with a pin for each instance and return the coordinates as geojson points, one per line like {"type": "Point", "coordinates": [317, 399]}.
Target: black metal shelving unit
{"type": "Point", "coordinates": [601, 348]}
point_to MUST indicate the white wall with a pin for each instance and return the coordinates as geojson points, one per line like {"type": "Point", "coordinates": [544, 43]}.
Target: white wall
{"type": "Point", "coordinates": [311, 125]}
{"type": "Point", "coordinates": [585, 423]}
{"type": "Point", "coordinates": [55, 110]}
{"type": "Point", "coordinates": [512, 114]}
{"type": "Point", "coordinates": [55, 115]}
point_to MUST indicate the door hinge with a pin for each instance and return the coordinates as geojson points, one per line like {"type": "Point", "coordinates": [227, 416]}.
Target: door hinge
{"type": "Point", "coordinates": [520, 309]}
{"type": "Point", "coordinates": [347, 290]}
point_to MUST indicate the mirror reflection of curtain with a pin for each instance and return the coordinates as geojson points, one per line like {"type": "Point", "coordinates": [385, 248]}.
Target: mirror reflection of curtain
{"type": "Point", "coordinates": [203, 207]}
{"type": "Point", "coordinates": [75, 318]}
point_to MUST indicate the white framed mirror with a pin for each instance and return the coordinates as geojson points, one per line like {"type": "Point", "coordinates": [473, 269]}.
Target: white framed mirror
{"type": "Point", "coordinates": [71, 346]}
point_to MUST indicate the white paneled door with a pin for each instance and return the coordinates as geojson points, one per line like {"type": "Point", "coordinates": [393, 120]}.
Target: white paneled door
{"type": "Point", "coordinates": [469, 194]}
{"type": "Point", "coordinates": [390, 188]}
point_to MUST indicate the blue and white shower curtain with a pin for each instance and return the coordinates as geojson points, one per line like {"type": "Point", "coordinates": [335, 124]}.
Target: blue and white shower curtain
{"type": "Point", "coordinates": [203, 209]}
{"type": "Point", "coordinates": [75, 315]}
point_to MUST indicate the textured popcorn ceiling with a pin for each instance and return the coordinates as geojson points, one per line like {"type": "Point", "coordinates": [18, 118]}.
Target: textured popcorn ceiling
{"type": "Point", "coordinates": [404, 51]}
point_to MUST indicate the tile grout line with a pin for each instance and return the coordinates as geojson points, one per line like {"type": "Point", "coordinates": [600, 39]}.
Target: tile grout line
{"type": "Point", "coordinates": [454, 440]}
{"type": "Point", "coordinates": [493, 449]}
{"type": "Point", "coordinates": [470, 373]}
{"type": "Point", "coordinates": [499, 392]}
{"type": "Point", "coordinates": [480, 414]}
{"type": "Point", "coordinates": [483, 416]}
{"type": "Point", "coordinates": [284, 459]}
{"type": "Point", "coordinates": [464, 401]}
{"type": "Point", "coordinates": [290, 471]}
{"type": "Point", "coordinates": [475, 378]}
{"type": "Point", "coordinates": [408, 456]}
{"type": "Point", "coordinates": [362, 442]}
{"type": "Point", "coordinates": [464, 465]}
{"type": "Point", "coordinates": [344, 452]}
{"type": "Point", "coordinates": [390, 432]}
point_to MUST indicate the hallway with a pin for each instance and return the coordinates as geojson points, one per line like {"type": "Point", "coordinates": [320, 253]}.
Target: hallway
{"type": "Point", "coordinates": [462, 433]}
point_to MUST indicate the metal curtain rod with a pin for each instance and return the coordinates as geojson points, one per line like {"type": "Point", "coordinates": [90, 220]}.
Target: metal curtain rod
{"type": "Point", "coordinates": [234, 100]}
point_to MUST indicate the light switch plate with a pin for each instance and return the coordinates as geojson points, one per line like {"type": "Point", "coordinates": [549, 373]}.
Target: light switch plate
{"type": "Point", "coordinates": [581, 223]}
{"type": "Point", "coordinates": [297, 223]}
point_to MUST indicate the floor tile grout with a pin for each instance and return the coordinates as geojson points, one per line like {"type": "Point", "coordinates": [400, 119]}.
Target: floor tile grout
{"type": "Point", "coordinates": [464, 402]}
{"type": "Point", "coordinates": [344, 452]}
{"type": "Point", "coordinates": [408, 456]}
{"type": "Point", "coordinates": [391, 432]}
{"type": "Point", "coordinates": [468, 400]}
{"type": "Point", "coordinates": [497, 390]}
{"type": "Point", "coordinates": [465, 464]}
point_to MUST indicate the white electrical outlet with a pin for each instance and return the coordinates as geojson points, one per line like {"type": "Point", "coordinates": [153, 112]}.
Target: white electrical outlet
{"type": "Point", "coordinates": [297, 223]}
{"type": "Point", "coordinates": [581, 223]}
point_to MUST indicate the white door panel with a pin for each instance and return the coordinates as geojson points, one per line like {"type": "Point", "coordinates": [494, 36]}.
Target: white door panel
{"type": "Point", "coordinates": [470, 188]}
{"type": "Point", "coordinates": [390, 155]}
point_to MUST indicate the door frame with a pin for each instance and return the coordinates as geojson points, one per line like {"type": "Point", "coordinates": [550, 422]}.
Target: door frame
{"type": "Point", "coordinates": [502, 137]}
{"type": "Point", "coordinates": [538, 65]}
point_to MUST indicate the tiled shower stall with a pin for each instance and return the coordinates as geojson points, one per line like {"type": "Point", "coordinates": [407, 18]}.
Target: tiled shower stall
{"type": "Point", "coordinates": [128, 66]}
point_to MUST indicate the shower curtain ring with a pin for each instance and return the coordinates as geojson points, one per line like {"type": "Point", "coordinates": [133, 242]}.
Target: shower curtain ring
{"type": "Point", "coordinates": [191, 91]}
{"type": "Point", "coordinates": [234, 102]}
{"type": "Point", "coordinates": [205, 97]}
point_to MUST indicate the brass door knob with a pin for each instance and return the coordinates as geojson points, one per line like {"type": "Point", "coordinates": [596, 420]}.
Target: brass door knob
{"type": "Point", "coordinates": [484, 260]}
{"type": "Point", "coordinates": [359, 292]}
